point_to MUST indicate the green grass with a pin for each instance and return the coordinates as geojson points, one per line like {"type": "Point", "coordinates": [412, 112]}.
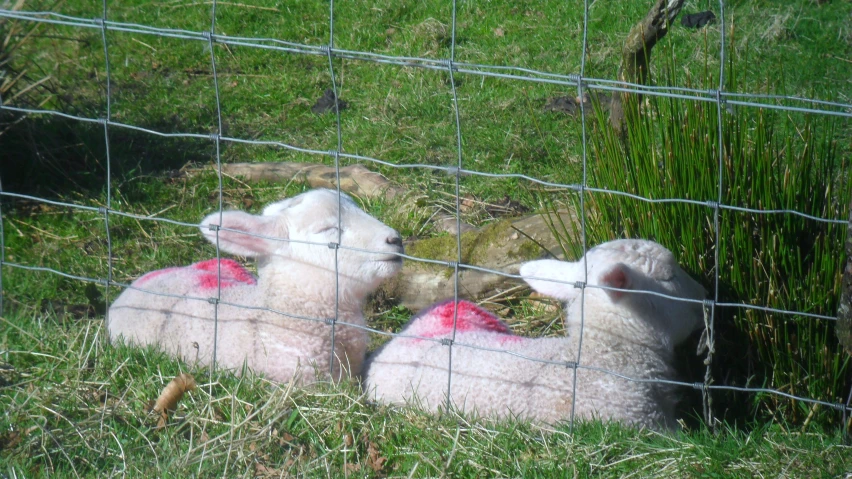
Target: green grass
{"type": "Point", "coordinates": [402, 114]}
{"type": "Point", "coordinates": [76, 407]}
{"type": "Point", "coordinates": [65, 393]}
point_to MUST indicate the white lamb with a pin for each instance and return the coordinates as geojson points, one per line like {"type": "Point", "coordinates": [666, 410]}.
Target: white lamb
{"type": "Point", "coordinates": [293, 278]}
{"type": "Point", "coordinates": [632, 334]}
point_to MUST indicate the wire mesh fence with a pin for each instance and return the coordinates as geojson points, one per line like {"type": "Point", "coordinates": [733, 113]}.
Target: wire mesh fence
{"type": "Point", "coordinates": [717, 98]}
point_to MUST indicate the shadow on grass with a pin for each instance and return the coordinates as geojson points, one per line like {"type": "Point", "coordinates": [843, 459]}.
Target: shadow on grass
{"type": "Point", "coordinates": [56, 158]}
{"type": "Point", "coordinates": [734, 360]}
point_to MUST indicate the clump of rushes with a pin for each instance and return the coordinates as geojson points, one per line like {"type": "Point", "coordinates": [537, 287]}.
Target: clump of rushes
{"type": "Point", "coordinates": [771, 160]}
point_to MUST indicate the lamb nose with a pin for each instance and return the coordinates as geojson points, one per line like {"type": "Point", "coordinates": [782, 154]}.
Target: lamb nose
{"type": "Point", "coordinates": [394, 240]}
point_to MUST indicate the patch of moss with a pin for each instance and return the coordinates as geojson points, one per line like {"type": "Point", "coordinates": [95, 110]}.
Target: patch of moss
{"type": "Point", "coordinates": [444, 248]}
{"type": "Point", "coordinates": [475, 246]}
{"type": "Point", "coordinates": [527, 250]}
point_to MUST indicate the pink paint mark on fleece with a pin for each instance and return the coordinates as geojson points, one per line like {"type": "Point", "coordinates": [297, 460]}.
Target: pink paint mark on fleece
{"type": "Point", "coordinates": [437, 321]}
{"type": "Point", "coordinates": [232, 274]}
{"type": "Point", "coordinates": [469, 317]}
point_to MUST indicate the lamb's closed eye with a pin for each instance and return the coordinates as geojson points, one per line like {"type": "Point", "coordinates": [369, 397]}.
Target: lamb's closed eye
{"type": "Point", "coordinates": [328, 229]}
{"type": "Point", "coordinates": [296, 279]}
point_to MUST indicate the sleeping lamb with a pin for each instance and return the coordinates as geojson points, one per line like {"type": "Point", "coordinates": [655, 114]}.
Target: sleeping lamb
{"type": "Point", "coordinates": [629, 333]}
{"type": "Point", "coordinates": [294, 278]}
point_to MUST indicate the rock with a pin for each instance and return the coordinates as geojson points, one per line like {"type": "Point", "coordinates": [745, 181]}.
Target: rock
{"type": "Point", "coordinates": [500, 246]}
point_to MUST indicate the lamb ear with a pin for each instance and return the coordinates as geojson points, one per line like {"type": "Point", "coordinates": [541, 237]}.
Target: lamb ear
{"type": "Point", "coordinates": [546, 269]}
{"type": "Point", "coordinates": [618, 276]}
{"type": "Point", "coordinates": [245, 244]}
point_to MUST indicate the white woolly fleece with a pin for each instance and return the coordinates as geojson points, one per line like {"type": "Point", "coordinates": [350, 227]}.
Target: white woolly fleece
{"type": "Point", "coordinates": [295, 279]}
{"type": "Point", "coordinates": [626, 332]}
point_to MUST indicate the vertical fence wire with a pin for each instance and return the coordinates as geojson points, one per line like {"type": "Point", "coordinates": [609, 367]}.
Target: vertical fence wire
{"type": "Point", "coordinates": [217, 141]}
{"type": "Point", "coordinates": [108, 203]}
{"type": "Point", "coordinates": [582, 193]}
{"type": "Point", "coordinates": [336, 246]}
{"type": "Point", "coordinates": [216, 137]}
{"type": "Point", "coordinates": [707, 398]}
{"type": "Point", "coordinates": [457, 180]}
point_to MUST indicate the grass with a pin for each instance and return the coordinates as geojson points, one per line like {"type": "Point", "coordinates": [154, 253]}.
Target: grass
{"type": "Point", "coordinates": [65, 394]}
{"type": "Point", "coordinates": [398, 114]}
{"type": "Point", "coordinates": [74, 406]}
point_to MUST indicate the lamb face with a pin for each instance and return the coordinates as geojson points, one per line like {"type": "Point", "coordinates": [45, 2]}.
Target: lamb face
{"type": "Point", "coordinates": [633, 265]}
{"type": "Point", "coordinates": [315, 217]}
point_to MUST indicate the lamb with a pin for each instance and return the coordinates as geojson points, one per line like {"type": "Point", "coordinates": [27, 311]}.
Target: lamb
{"type": "Point", "coordinates": [632, 334]}
{"type": "Point", "coordinates": [294, 278]}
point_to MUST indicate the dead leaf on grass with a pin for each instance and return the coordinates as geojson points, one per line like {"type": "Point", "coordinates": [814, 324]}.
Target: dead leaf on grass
{"type": "Point", "coordinates": [10, 439]}
{"type": "Point", "coordinates": [261, 470]}
{"type": "Point", "coordinates": [374, 458]}
{"type": "Point", "coordinates": [172, 393]}
{"type": "Point", "coordinates": [467, 203]}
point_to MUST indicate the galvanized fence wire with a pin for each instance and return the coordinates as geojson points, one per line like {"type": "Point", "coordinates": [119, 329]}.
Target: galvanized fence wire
{"type": "Point", "coordinates": [335, 246]}
{"type": "Point", "coordinates": [582, 196]}
{"type": "Point", "coordinates": [496, 71]}
{"type": "Point", "coordinates": [710, 316]}
{"type": "Point", "coordinates": [719, 97]}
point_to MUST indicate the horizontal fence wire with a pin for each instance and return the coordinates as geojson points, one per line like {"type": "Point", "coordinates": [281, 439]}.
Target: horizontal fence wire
{"type": "Point", "coordinates": [447, 169]}
{"type": "Point", "coordinates": [720, 98]}
{"type": "Point", "coordinates": [449, 264]}
{"type": "Point", "coordinates": [523, 74]}
{"type": "Point", "coordinates": [565, 364]}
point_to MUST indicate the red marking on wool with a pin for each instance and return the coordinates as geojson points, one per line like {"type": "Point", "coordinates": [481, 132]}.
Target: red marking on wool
{"type": "Point", "coordinates": [231, 272]}
{"type": "Point", "coordinates": [438, 319]}
{"type": "Point", "coordinates": [469, 317]}
{"type": "Point", "coordinates": [209, 281]}
{"type": "Point", "coordinates": [438, 322]}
